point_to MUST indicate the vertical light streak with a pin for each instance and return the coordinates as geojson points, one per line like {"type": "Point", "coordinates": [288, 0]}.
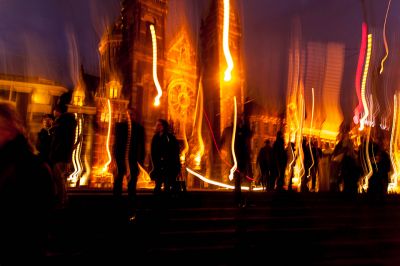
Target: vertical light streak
{"type": "Point", "coordinates": [393, 142]}
{"type": "Point", "coordinates": [299, 139]}
{"type": "Point", "coordinates": [311, 125]}
{"type": "Point", "coordinates": [361, 58]}
{"type": "Point", "coordinates": [384, 39]}
{"type": "Point", "coordinates": [368, 160]}
{"type": "Point", "coordinates": [225, 43]}
{"type": "Point", "coordinates": [364, 83]}
{"type": "Point", "coordinates": [105, 167]}
{"type": "Point", "coordinates": [76, 153]}
{"type": "Point", "coordinates": [234, 167]}
{"type": "Point", "coordinates": [155, 78]}
{"type": "Point", "coordinates": [128, 145]}
{"type": "Point", "coordinates": [198, 122]}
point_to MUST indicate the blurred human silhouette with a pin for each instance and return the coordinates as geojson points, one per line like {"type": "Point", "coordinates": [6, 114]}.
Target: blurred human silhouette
{"type": "Point", "coordinates": [316, 152]}
{"type": "Point", "coordinates": [280, 160]}
{"type": "Point", "coordinates": [264, 162]}
{"type": "Point", "coordinates": [164, 157]}
{"type": "Point", "coordinates": [242, 151]}
{"type": "Point", "coordinates": [62, 145]}
{"type": "Point", "coordinates": [26, 192]}
{"type": "Point", "coordinates": [378, 182]}
{"type": "Point", "coordinates": [129, 148]}
{"type": "Point", "coordinates": [350, 172]}
{"type": "Point", "coordinates": [43, 143]}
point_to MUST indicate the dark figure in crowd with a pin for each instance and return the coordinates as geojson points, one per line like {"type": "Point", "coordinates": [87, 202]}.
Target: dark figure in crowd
{"type": "Point", "coordinates": [62, 146]}
{"type": "Point", "coordinates": [129, 151]}
{"type": "Point", "coordinates": [165, 157]}
{"type": "Point", "coordinates": [317, 155]}
{"type": "Point", "coordinates": [350, 172]}
{"type": "Point", "coordinates": [379, 181]}
{"type": "Point", "coordinates": [43, 143]}
{"type": "Point", "coordinates": [292, 156]}
{"type": "Point", "coordinates": [242, 152]}
{"type": "Point", "coordinates": [26, 193]}
{"type": "Point", "coordinates": [280, 160]}
{"type": "Point", "coordinates": [264, 162]}
{"type": "Point", "coordinates": [307, 162]}
{"type": "Point", "coordinates": [343, 145]}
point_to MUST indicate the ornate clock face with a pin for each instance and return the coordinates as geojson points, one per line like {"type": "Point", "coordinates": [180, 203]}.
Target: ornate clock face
{"type": "Point", "coordinates": [181, 100]}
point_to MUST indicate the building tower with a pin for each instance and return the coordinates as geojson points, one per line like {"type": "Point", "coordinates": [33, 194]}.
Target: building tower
{"type": "Point", "coordinates": [136, 59]}
{"type": "Point", "coordinates": [218, 94]}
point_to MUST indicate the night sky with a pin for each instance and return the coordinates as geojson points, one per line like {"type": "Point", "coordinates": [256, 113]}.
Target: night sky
{"type": "Point", "coordinates": [35, 36]}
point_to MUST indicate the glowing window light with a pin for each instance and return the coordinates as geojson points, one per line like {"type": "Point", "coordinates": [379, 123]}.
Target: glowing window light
{"type": "Point", "coordinates": [155, 78]}
{"type": "Point", "coordinates": [225, 43]}
{"type": "Point", "coordinates": [384, 39]}
{"type": "Point", "coordinates": [113, 92]}
{"type": "Point", "coordinates": [361, 59]}
{"type": "Point", "coordinates": [105, 167]}
{"type": "Point", "coordinates": [364, 82]}
{"type": "Point", "coordinates": [234, 167]}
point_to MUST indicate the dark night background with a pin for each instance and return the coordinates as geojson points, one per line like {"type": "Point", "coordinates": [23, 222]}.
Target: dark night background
{"type": "Point", "coordinates": [35, 37]}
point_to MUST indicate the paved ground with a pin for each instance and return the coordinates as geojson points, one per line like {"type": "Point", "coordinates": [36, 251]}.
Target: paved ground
{"type": "Point", "coordinates": [205, 228]}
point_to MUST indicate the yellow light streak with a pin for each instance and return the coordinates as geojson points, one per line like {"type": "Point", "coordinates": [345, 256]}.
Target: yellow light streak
{"type": "Point", "coordinates": [76, 154]}
{"type": "Point", "coordinates": [384, 39]}
{"type": "Point", "coordinates": [213, 182]}
{"type": "Point", "coordinates": [393, 143]}
{"type": "Point", "coordinates": [105, 167]}
{"type": "Point", "coordinates": [225, 42]}
{"type": "Point", "coordinates": [311, 125]}
{"type": "Point", "coordinates": [155, 78]}
{"type": "Point", "coordinates": [234, 167]}
{"type": "Point", "coordinates": [368, 161]}
{"type": "Point", "coordinates": [364, 83]}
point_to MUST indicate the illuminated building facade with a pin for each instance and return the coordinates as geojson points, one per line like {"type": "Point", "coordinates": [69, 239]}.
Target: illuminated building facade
{"type": "Point", "coordinates": [32, 96]}
{"type": "Point", "coordinates": [135, 50]}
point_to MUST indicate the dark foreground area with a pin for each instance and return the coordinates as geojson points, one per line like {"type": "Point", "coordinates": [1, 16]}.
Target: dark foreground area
{"type": "Point", "coordinates": [205, 228]}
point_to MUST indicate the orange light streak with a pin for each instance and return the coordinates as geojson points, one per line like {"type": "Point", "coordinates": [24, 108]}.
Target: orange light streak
{"type": "Point", "coordinates": [225, 43]}
{"type": "Point", "coordinates": [311, 125]}
{"type": "Point", "coordinates": [234, 167]}
{"type": "Point", "coordinates": [155, 78]}
{"type": "Point", "coordinates": [105, 167]}
{"type": "Point", "coordinates": [392, 187]}
{"type": "Point", "coordinates": [197, 125]}
{"type": "Point", "coordinates": [384, 39]}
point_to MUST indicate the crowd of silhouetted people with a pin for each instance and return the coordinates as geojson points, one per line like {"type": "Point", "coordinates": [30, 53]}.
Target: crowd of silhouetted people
{"type": "Point", "coordinates": [33, 177]}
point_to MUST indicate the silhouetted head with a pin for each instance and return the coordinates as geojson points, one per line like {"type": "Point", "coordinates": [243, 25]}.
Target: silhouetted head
{"type": "Point", "coordinates": [161, 126]}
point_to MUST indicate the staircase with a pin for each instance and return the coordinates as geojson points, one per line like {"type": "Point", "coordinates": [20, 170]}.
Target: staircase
{"type": "Point", "coordinates": [205, 228]}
